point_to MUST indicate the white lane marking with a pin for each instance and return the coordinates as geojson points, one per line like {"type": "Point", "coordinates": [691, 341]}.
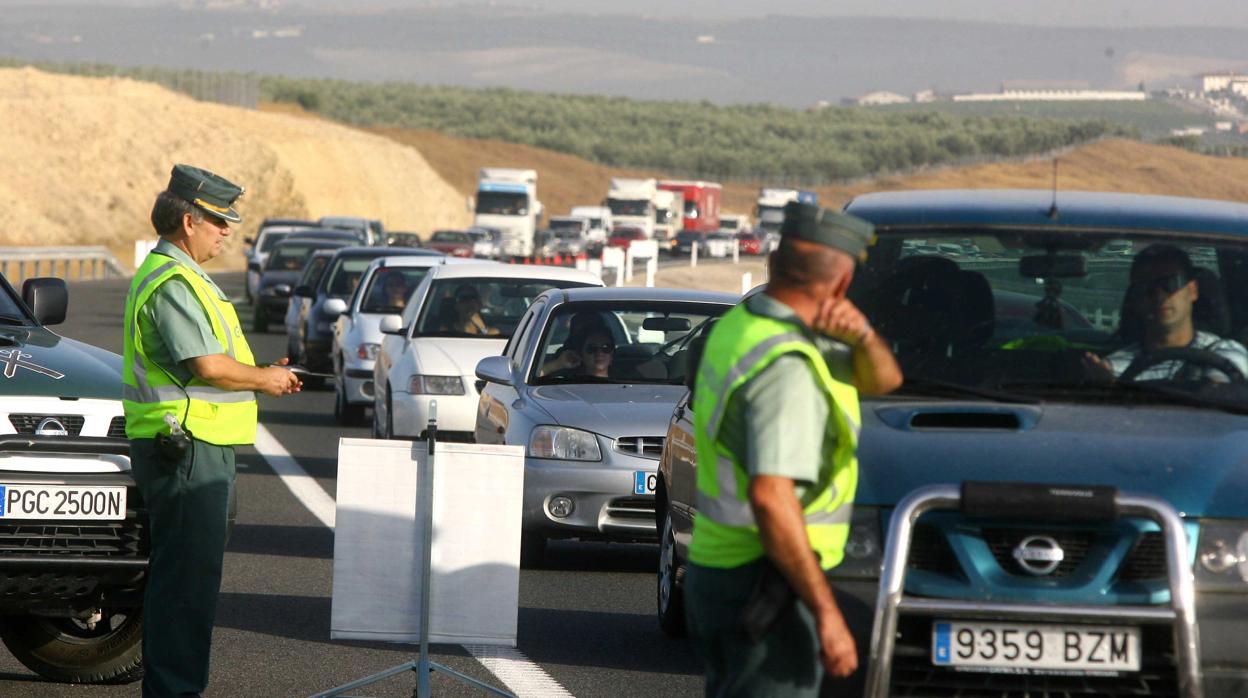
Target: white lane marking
{"type": "Point", "coordinates": [517, 673]}
{"type": "Point", "coordinates": [301, 484]}
{"type": "Point", "coordinates": [523, 677]}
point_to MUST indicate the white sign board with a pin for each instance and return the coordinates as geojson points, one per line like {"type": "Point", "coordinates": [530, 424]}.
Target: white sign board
{"type": "Point", "coordinates": [478, 495]}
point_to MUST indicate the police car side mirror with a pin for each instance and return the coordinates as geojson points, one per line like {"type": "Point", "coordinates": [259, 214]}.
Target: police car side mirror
{"type": "Point", "coordinates": [47, 298]}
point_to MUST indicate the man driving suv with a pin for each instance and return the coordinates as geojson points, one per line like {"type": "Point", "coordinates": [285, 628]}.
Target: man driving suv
{"type": "Point", "coordinates": [1157, 315]}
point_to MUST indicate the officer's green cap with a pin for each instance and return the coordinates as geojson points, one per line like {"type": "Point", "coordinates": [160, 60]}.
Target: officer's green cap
{"type": "Point", "coordinates": [824, 226]}
{"type": "Point", "coordinates": [212, 193]}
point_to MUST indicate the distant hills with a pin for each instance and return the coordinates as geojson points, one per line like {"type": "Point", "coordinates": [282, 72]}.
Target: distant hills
{"type": "Point", "coordinates": [794, 61]}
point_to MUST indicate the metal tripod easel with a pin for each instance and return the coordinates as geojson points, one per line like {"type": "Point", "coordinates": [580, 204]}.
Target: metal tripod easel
{"type": "Point", "coordinates": [423, 666]}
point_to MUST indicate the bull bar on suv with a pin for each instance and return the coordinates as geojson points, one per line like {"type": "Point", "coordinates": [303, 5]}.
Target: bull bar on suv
{"type": "Point", "coordinates": [1037, 503]}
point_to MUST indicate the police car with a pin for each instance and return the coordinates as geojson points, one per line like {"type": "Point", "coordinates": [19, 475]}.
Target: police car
{"type": "Point", "coordinates": [73, 538]}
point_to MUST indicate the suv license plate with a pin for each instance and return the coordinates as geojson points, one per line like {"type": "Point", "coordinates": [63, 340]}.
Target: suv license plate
{"type": "Point", "coordinates": [62, 502]}
{"type": "Point", "coordinates": [1021, 647]}
{"type": "Point", "coordinates": [644, 482]}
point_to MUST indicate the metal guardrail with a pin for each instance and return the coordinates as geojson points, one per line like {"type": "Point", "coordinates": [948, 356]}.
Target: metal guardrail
{"type": "Point", "coordinates": [80, 263]}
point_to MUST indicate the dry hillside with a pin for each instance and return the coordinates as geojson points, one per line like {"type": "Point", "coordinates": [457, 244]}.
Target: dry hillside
{"type": "Point", "coordinates": [81, 160]}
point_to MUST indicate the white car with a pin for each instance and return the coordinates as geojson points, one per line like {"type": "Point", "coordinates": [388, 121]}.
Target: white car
{"type": "Point", "coordinates": [384, 289]}
{"type": "Point", "coordinates": [460, 314]}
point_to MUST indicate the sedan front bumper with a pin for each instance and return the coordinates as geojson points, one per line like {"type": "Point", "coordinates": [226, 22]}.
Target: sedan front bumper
{"type": "Point", "coordinates": [605, 501]}
{"type": "Point", "coordinates": [457, 414]}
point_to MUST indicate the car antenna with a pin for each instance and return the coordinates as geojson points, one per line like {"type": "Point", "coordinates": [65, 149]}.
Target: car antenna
{"type": "Point", "coordinates": [1053, 206]}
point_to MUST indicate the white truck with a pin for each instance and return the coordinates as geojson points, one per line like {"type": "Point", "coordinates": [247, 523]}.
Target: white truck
{"type": "Point", "coordinates": [669, 216]}
{"type": "Point", "coordinates": [771, 203]}
{"type": "Point", "coordinates": [599, 218]}
{"type": "Point", "coordinates": [632, 203]}
{"type": "Point", "coordinates": [735, 223]}
{"type": "Point", "coordinates": [507, 201]}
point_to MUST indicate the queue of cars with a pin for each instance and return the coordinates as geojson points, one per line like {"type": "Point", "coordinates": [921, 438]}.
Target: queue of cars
{"type": "Point", "coordinates": [1024, 524]}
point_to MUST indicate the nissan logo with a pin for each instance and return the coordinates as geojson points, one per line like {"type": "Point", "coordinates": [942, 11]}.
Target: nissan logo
{"type": "Point", "coordinates": [51, 426]}
{"type": "Point", "coordinates": [1039, 555]}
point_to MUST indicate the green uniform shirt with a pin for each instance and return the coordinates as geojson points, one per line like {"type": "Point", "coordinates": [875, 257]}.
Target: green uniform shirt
{"type": "Point", "coordinates": [777, 423]}
{"type": "Point", "coordinates": [173, 324]}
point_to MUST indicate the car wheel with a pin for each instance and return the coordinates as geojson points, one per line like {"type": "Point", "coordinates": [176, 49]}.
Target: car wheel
{"type": "Point", "coordinates": [68, 650]}
{"type": "Point", "coordinates": [532, 550]}
{"type": "Point", "coordinates": [671, 599]}
{"type": "Point", "coordinates": [389, 421]}
{"type": "Point", "coordinates": [260, 320]}
{"type": "Point", "coordinates": [346, 413]}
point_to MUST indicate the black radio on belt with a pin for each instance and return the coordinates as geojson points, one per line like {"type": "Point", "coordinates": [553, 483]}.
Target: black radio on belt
{"type": "Point", "coordinates": [173, 446]}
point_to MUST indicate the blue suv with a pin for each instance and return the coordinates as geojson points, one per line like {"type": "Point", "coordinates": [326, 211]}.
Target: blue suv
{"type": "Point", "coordinates": [1055, 503]}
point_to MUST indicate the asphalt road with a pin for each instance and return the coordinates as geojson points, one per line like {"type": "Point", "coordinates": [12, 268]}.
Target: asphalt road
{"type": "Point", "coordinates": [586, 618]}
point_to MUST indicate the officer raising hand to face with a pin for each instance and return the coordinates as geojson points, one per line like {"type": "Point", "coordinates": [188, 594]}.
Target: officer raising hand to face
{"type": "Point", "coordinates": [189, 396]}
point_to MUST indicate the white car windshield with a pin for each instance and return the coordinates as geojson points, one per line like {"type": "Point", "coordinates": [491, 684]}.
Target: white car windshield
{"type": "Point", "coordinates": [476, 307]}
{"type": "Point", "coordinates": [630, 342]}
{"type": "Point", "coordinates": [389, 288]}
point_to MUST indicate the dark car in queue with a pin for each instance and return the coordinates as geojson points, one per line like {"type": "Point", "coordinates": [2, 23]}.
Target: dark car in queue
{"type": "Point", "coordinates": [1137, 585]}
{"type": "Point", "coordinates": [270, 232]}
{"type": "Point", "coordinates": [312, 272]}
{"type": "Point", "coordinates": [314, 329]}
{"type": "Point", "coordinates": [688, 240]}
{"type": "Point", "coordinates": [282, 271]}
{"type": "Point", "coordinates": [593, 433]}
{"type": "Point", "coordinates": [624, 235]}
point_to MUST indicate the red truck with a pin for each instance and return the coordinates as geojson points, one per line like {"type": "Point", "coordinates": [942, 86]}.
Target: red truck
{"type": "Point", "coordinates": [701, 203]}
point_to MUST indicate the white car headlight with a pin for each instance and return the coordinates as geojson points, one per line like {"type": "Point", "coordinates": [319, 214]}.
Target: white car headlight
{"type": "Point", "coordinates": [563, 443]}
{"type": "Point", "coordinates": [367, 351]}
{"type": "Point", "coordinates": [436, 385]}
{"type": "Point", "coordinates": [1222, 556]}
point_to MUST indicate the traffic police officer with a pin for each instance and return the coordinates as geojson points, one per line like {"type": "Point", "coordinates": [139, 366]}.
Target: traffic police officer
{"type": "Point", "coordinates": [189, 381]}
{"type": "Point", "coordinates": [776, 423]}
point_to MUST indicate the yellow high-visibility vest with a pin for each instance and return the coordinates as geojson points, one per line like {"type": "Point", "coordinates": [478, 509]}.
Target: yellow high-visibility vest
{"type": "Point", "coordinates": [221, 417]}
{"type": "Point", "coordinates": [725, 533]}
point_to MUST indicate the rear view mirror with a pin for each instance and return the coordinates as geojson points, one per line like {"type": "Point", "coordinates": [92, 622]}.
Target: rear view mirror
{"type": "Point", "coordinates": [666, 324]}
{"type": "Point", "coordinates": [392, 324]}
{"type": "Point", "coordinates": [47, 298]}
{"type": "Point", "coordinates": [282, 290]}
{"type": "Point", "coordinates": [1053, 266]}
{"type": "Point", "coordinates": [334, 307]}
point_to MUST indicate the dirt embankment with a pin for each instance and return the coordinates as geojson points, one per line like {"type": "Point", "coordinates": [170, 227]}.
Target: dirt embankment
{"type": "Point", "coordinates": [82, 159]}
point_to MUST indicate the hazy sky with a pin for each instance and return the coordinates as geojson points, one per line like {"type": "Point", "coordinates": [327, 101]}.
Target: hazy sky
{"type": "Point", "coordinates": [1112, 13]}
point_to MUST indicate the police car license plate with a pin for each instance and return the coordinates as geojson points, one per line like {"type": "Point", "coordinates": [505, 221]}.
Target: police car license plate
{"type": "Point", "coordinates": [1023, 647]}
{"type": "Point", "coordinates": [644, 482]}
{"type": "Point", "coordinates": [62, 502]}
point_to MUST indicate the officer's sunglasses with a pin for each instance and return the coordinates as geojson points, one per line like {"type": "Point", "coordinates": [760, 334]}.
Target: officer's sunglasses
{"type": "Point", "coordinates": [599, 348]}
{"type": "Point", "coordinates": [1168, 284]}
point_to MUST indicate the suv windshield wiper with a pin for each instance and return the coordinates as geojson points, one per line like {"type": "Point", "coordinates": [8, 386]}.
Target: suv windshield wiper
{"type": "Point", "coordinates": [1135, 392]}
{"type": "Point", "coordinates": [935, 387]}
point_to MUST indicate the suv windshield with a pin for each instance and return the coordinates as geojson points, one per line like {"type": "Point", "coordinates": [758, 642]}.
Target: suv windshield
{"type": "Point", "coordinates": [269, 238]}
{"type": "Point", "coordinates": [344, 275]}
{"type": "Point", "coordinates": [631, 342]}
{"type": "Point", "coordinates": [11, 312]}
{"type": "Point", "coordinates": [389, 288]}
{"type": "Point", "coordinates": [472, 307]}
{"type": "Point", "coordinates": [289, 257]}
{"type": "Point", "coordinates": [1104, 316]}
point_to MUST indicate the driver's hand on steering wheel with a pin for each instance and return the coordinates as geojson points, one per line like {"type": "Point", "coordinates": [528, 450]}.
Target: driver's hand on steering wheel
{"type": "Point", "coordinates": [1098, 368]}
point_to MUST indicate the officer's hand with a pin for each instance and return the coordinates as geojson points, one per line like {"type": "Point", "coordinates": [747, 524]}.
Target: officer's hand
{"type": "Point", "coordinates": [837, 649]}
{"type": "Point", "coordinates": [277, 381]}
{"type": "Point", "coordinates": [841, 320]}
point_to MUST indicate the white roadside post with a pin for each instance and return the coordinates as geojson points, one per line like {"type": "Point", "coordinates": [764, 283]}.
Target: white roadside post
{"type": "Point", "coordinates": [736, 251]}
{"type": "Point", "coordinates": [652, 268]}
{"type": "Point", "coordinates": [747, 282]}
{"type": "Point", "coordinates": [693, 254]}
{"type": "Point", "coordinates": [628, 264]}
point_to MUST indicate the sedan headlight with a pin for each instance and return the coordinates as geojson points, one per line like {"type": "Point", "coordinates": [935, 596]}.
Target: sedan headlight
{"type": "Point", "coordinates": [436, 385]}
{"type": "Point", "coordinates": [1222, 556]}
{"type": "Point", "coordinates": [563, 443]}
{"type": "Point", "coordinates": [367, 351]}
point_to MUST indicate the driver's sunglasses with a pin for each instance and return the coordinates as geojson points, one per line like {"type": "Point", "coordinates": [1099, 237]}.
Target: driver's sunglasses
{"type": "Point", "coordinates": [1169, 284]}
{"type": "Point", "coordinates": [599, 348]}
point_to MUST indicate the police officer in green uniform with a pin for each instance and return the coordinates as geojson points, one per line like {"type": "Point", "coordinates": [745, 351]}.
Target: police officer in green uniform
{"type": "Point", "coordinates": [776, 421]}
{"type": "Point", "coordinates": [189, 398]}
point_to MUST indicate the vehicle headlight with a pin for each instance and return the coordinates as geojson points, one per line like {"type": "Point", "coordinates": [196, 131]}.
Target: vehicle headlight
{"type": "Point", "coordinates": [864, 550]}
{"type": "Point", "coordinates": [367, 351]}
{"type": "Point", "coordinates": [563, 443]}
{"type": "Point", "coordinates": [436, 385]}
{"type": "Point", "coordinates": [1222, 556]}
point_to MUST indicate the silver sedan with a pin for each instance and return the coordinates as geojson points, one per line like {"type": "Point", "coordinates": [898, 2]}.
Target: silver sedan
{"type": "Point", "coordinates": [587, 385]}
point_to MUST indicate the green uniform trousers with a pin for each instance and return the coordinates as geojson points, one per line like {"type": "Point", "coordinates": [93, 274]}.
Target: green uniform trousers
{"type": "Point", "coordinates": [784, 663]}
{"type": "Point", "coordinates": [188, 506]}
